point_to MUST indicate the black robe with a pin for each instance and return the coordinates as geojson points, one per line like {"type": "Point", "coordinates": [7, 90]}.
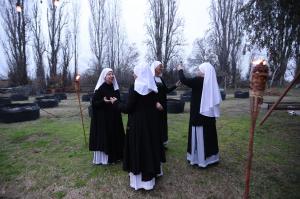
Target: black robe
{"type": "Point", "coordinates": [106, 131]}
{"type": "Point", "coordinates": [196, 119]}
{"type": "Point", "coordinates": [163, 90]}
{"type": "Point", "coordinates": [143, 151]}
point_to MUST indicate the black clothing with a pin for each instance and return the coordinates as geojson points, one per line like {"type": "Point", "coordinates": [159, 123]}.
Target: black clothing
{"type": "Point", "coordinates": [143, 152]}
{"type": "Point", "coordinates": [106, 131]}
{"type": "Point", "coordinates": [163, 90]}
{"type": "Point", "coordinates": [197, 119]}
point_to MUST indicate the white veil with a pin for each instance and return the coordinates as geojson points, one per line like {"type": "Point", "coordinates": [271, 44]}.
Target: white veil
{"type": "Point", "coordinates": [101, 79]}
{"type": "Point", "coordinates": [144, 83]}
{"type": "Point", "coordinates": [153, 67]}
{"type": "Point", "coordinates": [211, 96]}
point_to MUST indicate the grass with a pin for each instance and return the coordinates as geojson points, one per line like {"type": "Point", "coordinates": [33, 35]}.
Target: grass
{"type": "Point", "coordinates": [47, 158]}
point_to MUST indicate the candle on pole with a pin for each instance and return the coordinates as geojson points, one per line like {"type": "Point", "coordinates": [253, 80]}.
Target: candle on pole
{"type": "Point", "coordinates": [18, 7]}
{"type": "Point", "coordinates": [55, 3]}
{"type": "Point", "coordinates": [77, 89]}
{"type": "Point", "coordinates": [258, 79]}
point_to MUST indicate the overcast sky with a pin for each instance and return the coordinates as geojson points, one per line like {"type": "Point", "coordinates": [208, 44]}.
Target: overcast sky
{"type": "Point", "coordinates": [194, 12]}
{"type": "Point", "coordinates": [134, 12]}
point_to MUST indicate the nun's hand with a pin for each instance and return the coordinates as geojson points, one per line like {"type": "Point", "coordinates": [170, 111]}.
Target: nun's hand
{"type": "Point", "coordinates": [159, 106]}
{"type": "Point", "coordinates": [179, 67]}
{"type": "Point", "coordinates": [113, 99]}
{"type": "Point", "coordinates": [106, 100]}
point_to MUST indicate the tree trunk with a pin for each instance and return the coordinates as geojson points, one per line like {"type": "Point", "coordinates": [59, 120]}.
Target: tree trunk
{"type": "Point", "coordinates": [233, 74]}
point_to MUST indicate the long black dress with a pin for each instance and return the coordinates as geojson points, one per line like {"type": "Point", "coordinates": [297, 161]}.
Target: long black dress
{"type": "Point", "coordinates": [197, 119]}
{"type": "Point", "coordinates": [163, 90]}
{"type": "Point", "coordinates": [143, 151]}
{"type": "Point", "coordinates": [106, 131]}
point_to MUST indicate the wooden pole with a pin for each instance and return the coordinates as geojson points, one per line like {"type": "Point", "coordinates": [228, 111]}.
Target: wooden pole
{"type": "Point", "coordinates": [279, 99]}
{"type": "Point", "coordinates": [77, 88]}
{"type": "Point", "coordinates": [254, 113]}
{"type": "Point", "coordinates": [258, 80]}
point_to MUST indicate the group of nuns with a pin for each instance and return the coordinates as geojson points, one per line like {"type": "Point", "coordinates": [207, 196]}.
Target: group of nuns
{"type": "Point", "coordinates": [142, 148]}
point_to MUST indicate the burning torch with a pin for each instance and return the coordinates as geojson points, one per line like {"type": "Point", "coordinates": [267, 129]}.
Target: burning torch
{"type": "Point", "coordinates": [258, 81]}
{"type": "Point", "coordinates": [77, 89]}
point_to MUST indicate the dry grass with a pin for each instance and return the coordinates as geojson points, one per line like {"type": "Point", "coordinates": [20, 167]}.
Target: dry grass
{"type": "Point", "coordinates": [47, 158]}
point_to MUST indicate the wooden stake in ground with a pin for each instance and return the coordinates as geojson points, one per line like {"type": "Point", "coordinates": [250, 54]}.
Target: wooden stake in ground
{"type": "Point", "coordinates": [77, 88]}
{"type": "Point", "coordinates": [258, 81]}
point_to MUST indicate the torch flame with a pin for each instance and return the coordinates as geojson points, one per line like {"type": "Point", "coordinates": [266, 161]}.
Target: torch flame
{"type": "Point", "coordinates": [77, 78]}
{"type": "Point", "coordinates": [18, 7]}
{"type": "Point", "coordinates": [264, 62]}
{"type": "Point", "coordinates": [259, 61]}
{"type": "Point", "coordinates": [56, 3]}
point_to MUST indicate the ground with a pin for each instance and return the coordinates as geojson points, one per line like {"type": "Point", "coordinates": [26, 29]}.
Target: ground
{"type": "Point", "coordinates": [47, 158]}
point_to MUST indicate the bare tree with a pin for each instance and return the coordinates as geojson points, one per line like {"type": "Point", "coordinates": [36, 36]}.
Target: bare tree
{"type": "Point", "coordinates": [98, 31]}
{"type": "Point", "coordinates": [57, 21]}
{"type": "Point", "coordinates": [164, 30]}
{"type": "Point", "coordinates": [15, 25]}
{"type": "Point", "coordinates": [296, 53]}
{"type": "Point", "coordinates": [75, 33]}
{"type": "Point", "coordinates": [173, 36]}
{"type": "Point", "coordinates": [38, 47]}
{"type": "Point", "coordinates": [113, 36]}
{"type": "Point", "coordinates": [221, 14]}
{"type": "Point", "coordinates": [128, 59]}
{"type": "Point", "coordinates": [155, 29]}
{"type": "Point", "coordinates": [202, 52]}
{"type": "Point", "coordinates": [236, 35]}
{"type": "Point", "coordinates": [128, 56]}
{"type": "Point", "coordinates": [66, 58]}
{"type": "Point", "coordinates": [227, 33]}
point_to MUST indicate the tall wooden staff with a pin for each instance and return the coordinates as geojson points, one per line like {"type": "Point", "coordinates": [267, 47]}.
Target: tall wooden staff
{"type": "Point", "coordinates": [258, 81]}
{"type": "Point", "coordinates": [77, 88]}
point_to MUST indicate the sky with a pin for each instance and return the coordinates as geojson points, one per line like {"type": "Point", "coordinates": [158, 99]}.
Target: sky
{"type": "Point", "coordinates": [134, 12]}
{"type": "Point", "coordinates": [194, 12]}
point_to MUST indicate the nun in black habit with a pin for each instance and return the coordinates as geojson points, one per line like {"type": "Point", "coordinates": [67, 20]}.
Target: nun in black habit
{"type": "Point", "coordinates": [163, 90]}
{"type": "Point", "coordinates": [106, 131]}
{"type": "Point", "coordinates": [204, 108]}
{"type": "Point", "coordinates": [143, 151]}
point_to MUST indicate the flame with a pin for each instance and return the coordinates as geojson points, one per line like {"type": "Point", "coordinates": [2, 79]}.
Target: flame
{"type": "Point", "coordinates": [264, 62]}
{"type": "Point", "coordinates": [55, 2]}
{"type": "Point", "coordinates": [259, 61]}
{"type": "Point", "coordinates": [18, 8]}
{"type": "Point", "coordinates": [77, 78]}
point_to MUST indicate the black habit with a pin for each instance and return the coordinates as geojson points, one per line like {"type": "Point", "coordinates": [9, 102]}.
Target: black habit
{"type": "Point", "coordinates": [106, 131]}
{"type": "Point", "coordinates": [143, 151]}
{"type": "Point", "coordinates": [163, 90]}
{"type": "Point", "coordinates": [197, 119]}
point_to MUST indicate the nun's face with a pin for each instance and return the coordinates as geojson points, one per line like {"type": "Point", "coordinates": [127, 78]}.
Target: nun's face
{"type": "Point", "coordinates": [159, 69]}
{"type": "Point", "coordinates": [109, 78]}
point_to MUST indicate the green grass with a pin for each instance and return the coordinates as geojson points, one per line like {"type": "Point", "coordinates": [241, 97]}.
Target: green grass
{"type": "Point", "coordinates": [47, 158]}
